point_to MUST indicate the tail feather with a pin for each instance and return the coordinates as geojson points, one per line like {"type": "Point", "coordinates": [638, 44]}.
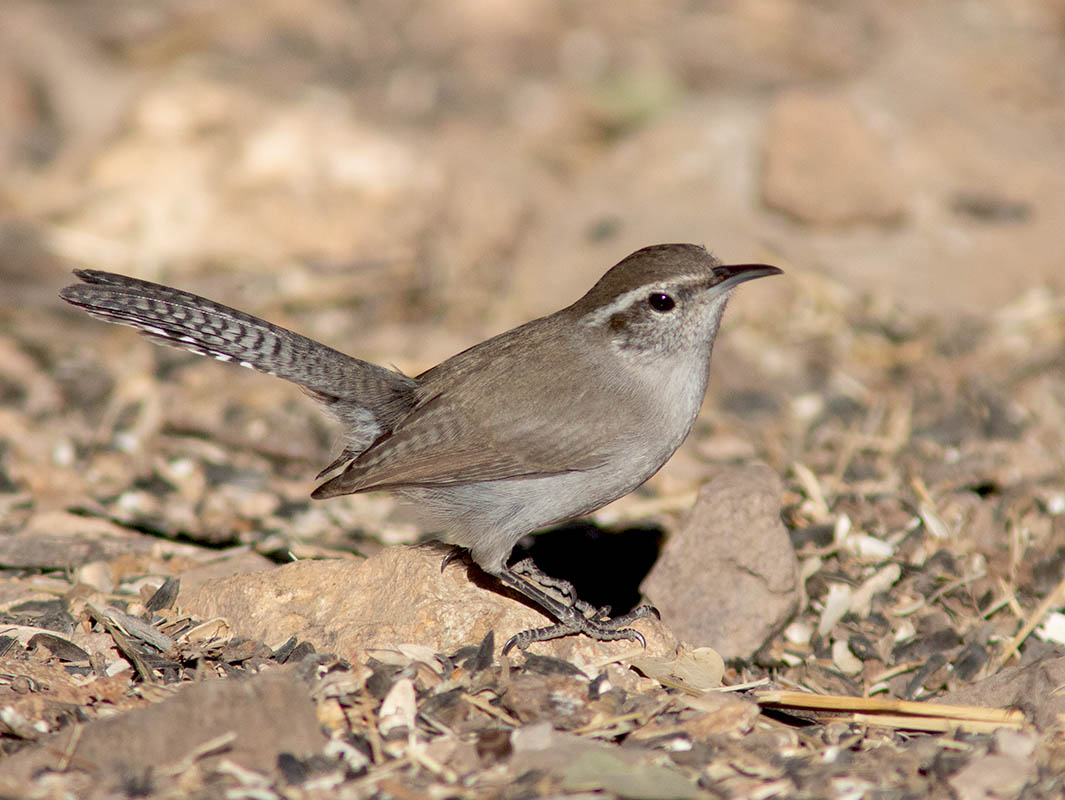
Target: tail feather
{"type": "Point", "coordinates": [179, 319]}
{"type": "Point", "coordinates": [367, 397]}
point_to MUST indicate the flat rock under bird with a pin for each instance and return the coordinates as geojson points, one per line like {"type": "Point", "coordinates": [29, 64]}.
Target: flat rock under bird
{"type": "Point", "coordinates": [538, 425]}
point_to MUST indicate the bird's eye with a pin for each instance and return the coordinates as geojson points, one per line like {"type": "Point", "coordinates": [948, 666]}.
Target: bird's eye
{"type": "Point", "coordinates": [660, 302]}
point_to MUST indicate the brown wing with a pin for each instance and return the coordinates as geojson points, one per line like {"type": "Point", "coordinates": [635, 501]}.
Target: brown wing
{"type": "Point", "coordinates": [465, 428]}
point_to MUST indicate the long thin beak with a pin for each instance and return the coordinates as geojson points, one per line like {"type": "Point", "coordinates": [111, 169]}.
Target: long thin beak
{"type": "Point", "coordinates": [732, 275]}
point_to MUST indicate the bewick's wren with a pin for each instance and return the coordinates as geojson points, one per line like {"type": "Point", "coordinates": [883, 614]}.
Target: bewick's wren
{"type": "Point", "coordinates": [546, 422]}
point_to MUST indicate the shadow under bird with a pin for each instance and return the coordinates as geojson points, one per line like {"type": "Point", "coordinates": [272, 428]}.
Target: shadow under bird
{"type": "Point", "coordinates": [538, 425]}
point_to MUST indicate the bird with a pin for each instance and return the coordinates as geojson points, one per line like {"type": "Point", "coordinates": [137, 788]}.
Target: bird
{"type": "Point", "coordinates": [538, 425]}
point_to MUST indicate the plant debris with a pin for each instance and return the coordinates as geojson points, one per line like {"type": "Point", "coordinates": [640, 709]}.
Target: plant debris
{"type": "Point", "coordinates": [178, 619]}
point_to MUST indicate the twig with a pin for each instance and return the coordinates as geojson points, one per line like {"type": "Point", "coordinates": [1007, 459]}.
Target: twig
{"type": "Point", "coordinates": [898, 669]}
{"type": "Point", "coordinates": [490, 709]}
{"type": "Point", "coordinates": [932, 724]}
{"type": "Point", "coordinates": [950, 587]}
{"type": "Point", "coordinates": [740, 687]}
{"type": "Point", "coordinates": [68, 751]}
{"type": "Point", "coordinates": [1055, 598]}
{"type": "Point", "coordinates": [211, 746]}
{"type": "Point", "coordinates": [904, 707]}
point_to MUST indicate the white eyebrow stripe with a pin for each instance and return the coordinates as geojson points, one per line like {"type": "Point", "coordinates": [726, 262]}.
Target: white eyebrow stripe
{"type": "Point", "coordinates": [633, 295]}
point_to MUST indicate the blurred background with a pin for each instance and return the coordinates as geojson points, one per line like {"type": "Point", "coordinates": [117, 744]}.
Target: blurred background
{"type": "Point", "coordinates": [413, 159]}
{"type": "Point", "coordinates": [404, 179]}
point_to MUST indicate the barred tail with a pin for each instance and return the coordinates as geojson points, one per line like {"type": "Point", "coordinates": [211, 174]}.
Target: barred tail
{"type": "Point", "coordinates": [368, 397]}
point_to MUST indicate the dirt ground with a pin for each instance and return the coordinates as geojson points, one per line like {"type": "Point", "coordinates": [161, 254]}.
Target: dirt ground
{"type": "Point", "coordinates": [402, 180]}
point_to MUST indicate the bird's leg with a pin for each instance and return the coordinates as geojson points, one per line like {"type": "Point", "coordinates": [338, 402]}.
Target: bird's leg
{"type": "Point", "coordinates": [571, 619]}
{"type": "Point", "coordinates": [526, 568]}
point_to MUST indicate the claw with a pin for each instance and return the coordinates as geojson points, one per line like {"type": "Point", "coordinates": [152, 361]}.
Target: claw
{"type": "Point", "coordinates": [513, 640]}
{"type": "Point", "coordinates": [454, 554]}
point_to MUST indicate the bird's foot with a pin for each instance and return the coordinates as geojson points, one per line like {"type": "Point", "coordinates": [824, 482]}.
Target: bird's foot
{"type": "Point", "coordinates": [574, 616]}
{"type": "Point", "coordinates": [600, 629]}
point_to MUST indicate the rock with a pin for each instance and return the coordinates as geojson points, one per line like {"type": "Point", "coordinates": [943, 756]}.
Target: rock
{"type": "Point", "coordinates": [585, 765]}
{"type": "Point", "coordinates": [230, 562]}
{"type": "Point", "coordinates": [164, 739]}
{"type": "Point", "coordinates": [397, 596]}
{"type": "Point", "coordinates": [825, 166]}
{"type": "Point", "coordinates": [1034, 689]}
{"type": "Point", "coordinates": [993, 776]}
{"type": "Point", "coordinates": [729, 578]}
